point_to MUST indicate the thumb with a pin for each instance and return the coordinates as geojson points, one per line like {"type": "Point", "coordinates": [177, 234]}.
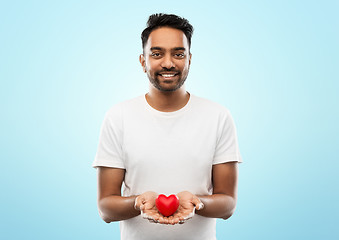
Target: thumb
{"type": "Point", "coordinates": [197, 203]}
{"type": "Point", "coordinates": [139, 203]}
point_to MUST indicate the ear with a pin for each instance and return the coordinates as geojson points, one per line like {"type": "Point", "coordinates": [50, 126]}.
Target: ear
{"type": "Point", "coordinates": [189, 61]}
{"type": "Point", "coordinates": [143, 62]}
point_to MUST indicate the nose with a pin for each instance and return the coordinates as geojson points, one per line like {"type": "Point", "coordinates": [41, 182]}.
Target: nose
{"type": "Point", "coordinates": [167, 62]}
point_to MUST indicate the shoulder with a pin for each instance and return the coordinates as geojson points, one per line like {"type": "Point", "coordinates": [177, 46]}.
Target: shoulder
{"type": "Point", "coordinates": [207, 106]}
{"type": "Point", "coordinates": [118, 109]}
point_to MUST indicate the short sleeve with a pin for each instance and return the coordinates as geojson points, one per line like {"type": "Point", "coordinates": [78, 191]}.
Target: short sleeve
{"type": "Point", "coordinates": [227, 149]}
{"type": "Point", "coordinates": [109, 152]}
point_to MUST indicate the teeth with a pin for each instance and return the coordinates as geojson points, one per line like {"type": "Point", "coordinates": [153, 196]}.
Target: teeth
{"type": "Point", "coordinates": [168, 75]}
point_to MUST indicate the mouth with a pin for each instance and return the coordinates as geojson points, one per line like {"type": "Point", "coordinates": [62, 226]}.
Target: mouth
{"type": "Point", "coordinates": [168, 75]}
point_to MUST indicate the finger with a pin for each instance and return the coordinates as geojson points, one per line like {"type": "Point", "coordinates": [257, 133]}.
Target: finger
{"type": "Point", "coordinates": [176, 219]}
{"type": "Point", "coordinates": [182, 221]}
{"type": "Point", "coordinates": [146, 215]}
{"type": "Point", "coordinates": [170, 220]}
{"type": "Point", "coordinates": [162, 220]}
{"type": "Point", "coordinates": [156, 216]}
{"type": "Point", "coordinates": [149, 218]}
{"type": "Point", "coordinates": [152, 215]}
{"type": "Point", "coordinates": [165, 220]}
{"type": "Point", "coordinates": [179, 216]}
{"type": "Point", "coordinates": [190, 215]}
{"type": "Point", "coordinates": [152, 221]}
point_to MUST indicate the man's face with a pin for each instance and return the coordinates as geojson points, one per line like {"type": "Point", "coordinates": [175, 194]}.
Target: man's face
{"type": "Point", "coordinates": [166, 58]}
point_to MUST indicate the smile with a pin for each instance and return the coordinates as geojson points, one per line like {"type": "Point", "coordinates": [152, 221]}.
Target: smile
{"type": "Point", "coordinates": [168, 75]}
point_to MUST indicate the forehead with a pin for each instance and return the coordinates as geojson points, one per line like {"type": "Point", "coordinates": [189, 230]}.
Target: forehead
{"type": "Point", "coordinates": [167, 38]}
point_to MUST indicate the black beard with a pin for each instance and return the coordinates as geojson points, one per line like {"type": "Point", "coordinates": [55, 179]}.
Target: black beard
{"type": "Point", "coordinates": [156, 84]}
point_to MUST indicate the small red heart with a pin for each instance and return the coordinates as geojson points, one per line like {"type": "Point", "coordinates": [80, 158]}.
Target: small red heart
{"type": "Point", "coordinates": [167, 205]}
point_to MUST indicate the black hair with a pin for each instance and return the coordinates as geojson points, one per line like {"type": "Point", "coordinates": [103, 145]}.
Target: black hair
{"type": "Point", "coordinates": [167, 20]}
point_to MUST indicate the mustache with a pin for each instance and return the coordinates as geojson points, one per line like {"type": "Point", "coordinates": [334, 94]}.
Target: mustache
{"type": "Point", "coordinates": [168, 70]}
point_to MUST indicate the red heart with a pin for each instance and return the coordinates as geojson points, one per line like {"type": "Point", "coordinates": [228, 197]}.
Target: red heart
{"type": "Point", "coordinates": [167, 205]}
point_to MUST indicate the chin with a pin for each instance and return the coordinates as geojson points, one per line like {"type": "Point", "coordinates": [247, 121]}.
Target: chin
{"type": "Point", "coordinates": [164, 89]}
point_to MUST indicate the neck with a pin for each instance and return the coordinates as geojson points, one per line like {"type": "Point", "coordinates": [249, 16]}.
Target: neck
{"type": "Point", "coordinates": [167, 101]}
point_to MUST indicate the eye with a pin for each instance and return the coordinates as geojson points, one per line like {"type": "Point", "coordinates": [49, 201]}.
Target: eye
{"type": "Point", "coordinates": [156, 54]}
{"type": "Point", "coordinates": [179, 55]}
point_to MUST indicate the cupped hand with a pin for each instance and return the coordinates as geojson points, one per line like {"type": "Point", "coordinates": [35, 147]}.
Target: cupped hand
{"type": "Point", "coordinates": [146, 204]}
{"type": "Point", "coordinates": [188, 202]}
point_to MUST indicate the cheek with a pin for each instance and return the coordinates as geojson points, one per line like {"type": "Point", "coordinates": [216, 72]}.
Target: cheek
{"type": "Point", "coordinates": [153, 69]}
{"type": "Point", "coordinates": [185, 67]}
{"type": "Point", "coordinates": [149, 69]}
{"type": "Point", "coordinates": [151, 65]}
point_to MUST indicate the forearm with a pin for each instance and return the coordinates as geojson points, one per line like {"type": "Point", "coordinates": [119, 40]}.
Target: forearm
{"type": "Point", "coordinates": [117, 208]}
{"type": "Point", "coordinates": [217, 206]}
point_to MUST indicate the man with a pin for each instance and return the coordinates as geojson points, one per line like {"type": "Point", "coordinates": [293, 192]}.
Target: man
{"type": "Point", "coordinates": [167, 141]}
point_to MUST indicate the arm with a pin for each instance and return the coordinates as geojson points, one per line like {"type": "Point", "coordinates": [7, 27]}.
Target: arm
{"type": "Point", "coordinates": [112, 206]}
{"type": "Point", "coordinates": [222, 203]}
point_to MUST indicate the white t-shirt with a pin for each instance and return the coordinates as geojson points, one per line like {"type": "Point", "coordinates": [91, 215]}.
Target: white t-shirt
{"type": "Point", "coordinates": [167, 152]}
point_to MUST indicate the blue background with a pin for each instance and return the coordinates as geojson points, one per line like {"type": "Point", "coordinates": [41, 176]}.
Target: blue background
{"type": "Point", "coordinates": [274, 64]}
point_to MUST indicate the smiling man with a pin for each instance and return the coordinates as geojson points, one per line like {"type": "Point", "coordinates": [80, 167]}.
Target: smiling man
{"type": "Point", "coordinates": [167, 141]}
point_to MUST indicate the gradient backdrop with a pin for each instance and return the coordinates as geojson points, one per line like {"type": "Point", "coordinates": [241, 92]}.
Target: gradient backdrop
{"type": "Point", "coordinates": [274, 64]}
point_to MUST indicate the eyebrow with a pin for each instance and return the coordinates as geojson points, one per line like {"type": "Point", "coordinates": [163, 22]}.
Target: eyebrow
{"type": "Point", "coordinates": [175, 49]}
{"type": "Point", "coordinates": [156, 48]}
{"type": "Point", "coordinates": [179, 48]}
